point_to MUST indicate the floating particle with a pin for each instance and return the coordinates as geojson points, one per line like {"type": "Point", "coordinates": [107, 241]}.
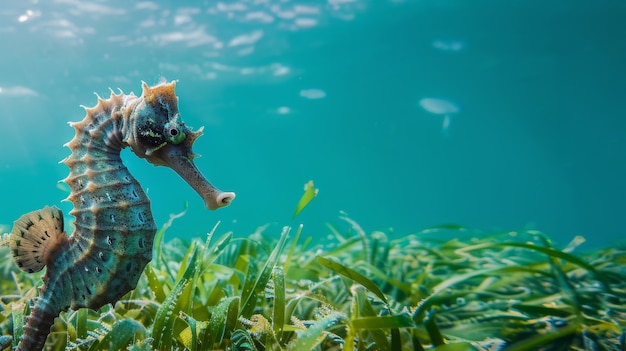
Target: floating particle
{"type": "Point", "coordinates": [313, 93]}
{"type": "Point", "coordinates": [283, 110]}
{"type": "Point", "coordinates": [449, 45]}
{"type": "Point", "coordinates": [439, 106]}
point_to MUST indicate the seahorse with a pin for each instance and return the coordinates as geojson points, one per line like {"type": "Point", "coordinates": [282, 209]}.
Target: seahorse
{"type": "Point", "coordinates": [114, 228]}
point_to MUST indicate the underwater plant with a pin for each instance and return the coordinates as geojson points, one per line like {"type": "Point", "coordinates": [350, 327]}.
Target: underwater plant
{"type": "Point", "coordinates": [114, 229]}
{"type": "Point", "coordinates": [353, 290]}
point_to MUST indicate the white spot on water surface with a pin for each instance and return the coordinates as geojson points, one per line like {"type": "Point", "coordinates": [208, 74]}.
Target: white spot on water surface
{"type": "Point", "coordinates": [17, 90]}
{"type": "Point", "coordinates": [283, 110]}
{"type": "Point", "coordinates": [260, 16]}
{"type": "Point", "coordinates": [246, 51]}
{"type": "Point", "coordinates": [236, 6]}
{"type": "Point", "coordinates": [146, 5]}
{"type": "Point", "coordinates": [191, 38]}
{"type": "Point", "coordinates": [246, 39]}
{"type": "Point", "coordinates": [313, 94]}
{"type": "Point", "coordinates": [280, 70]}
{"type": "Point", "coordinates": [449, 45]}
{"type": "Point", "coordinates": [305, 22]}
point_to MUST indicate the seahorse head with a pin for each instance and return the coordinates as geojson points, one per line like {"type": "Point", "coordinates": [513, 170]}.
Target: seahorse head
{"type": "Point", "coordinates": [156, 132]}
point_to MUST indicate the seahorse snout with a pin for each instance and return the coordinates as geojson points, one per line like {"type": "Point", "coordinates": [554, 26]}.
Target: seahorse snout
{"type": "Point", "coordinates": [180, 159]}
{"type": "Point", "coordinates": [224, 198]}
{"type": "Point", "coordinates": [213, 197]}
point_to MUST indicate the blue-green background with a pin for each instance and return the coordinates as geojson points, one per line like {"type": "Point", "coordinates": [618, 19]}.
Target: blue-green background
{"type": "Point", "coordinates": [539, 140]}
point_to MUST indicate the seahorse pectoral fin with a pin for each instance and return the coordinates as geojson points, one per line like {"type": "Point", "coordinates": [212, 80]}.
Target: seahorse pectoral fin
{"type": "Point", "coordinates": [180, 159]}
{"type": "Point", "coordinates": [36, 238]}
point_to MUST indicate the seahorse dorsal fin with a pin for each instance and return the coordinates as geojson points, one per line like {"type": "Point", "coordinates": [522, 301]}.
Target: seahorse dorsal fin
{"type": "Point", "coordinates": [36, 237]}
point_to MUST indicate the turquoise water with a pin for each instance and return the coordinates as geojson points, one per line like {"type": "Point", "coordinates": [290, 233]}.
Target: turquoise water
{"type": "Point", "coordinates": [406, 114]}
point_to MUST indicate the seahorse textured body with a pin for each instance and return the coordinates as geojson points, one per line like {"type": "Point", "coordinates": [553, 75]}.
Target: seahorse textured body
{"type": "Point", "coordinates": [114, 229]}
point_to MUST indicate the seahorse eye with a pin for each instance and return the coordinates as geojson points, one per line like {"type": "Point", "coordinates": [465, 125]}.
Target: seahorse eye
{"type": "Point", "coordinates": [174, 133]}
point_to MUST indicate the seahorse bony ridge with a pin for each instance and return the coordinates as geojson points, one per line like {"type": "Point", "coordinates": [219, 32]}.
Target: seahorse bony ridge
{"type": "Point", "coordinates": [114, 229]}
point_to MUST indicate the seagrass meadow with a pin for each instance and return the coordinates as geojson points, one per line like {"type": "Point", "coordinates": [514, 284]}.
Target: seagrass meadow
{"type": "Point", "coordinates": [353, 290]}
